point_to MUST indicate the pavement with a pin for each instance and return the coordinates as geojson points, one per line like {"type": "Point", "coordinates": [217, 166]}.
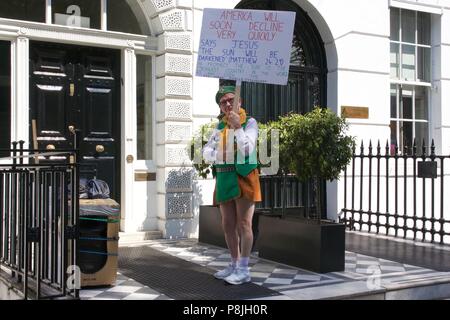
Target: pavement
{"type": "Point", "coordinates": [365, 277]}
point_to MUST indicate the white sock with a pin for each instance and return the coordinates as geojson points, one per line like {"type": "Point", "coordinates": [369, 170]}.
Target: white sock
{"type": "Point", "coordinates": [234, 262]}
{"type": "Point", "coordinates": [243, 262]}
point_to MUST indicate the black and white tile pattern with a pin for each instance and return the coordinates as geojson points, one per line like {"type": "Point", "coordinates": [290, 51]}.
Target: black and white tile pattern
{"type": "Point", "coordinates": [362, 274]}
{"type": "Point", "coordinates": [124, 289]}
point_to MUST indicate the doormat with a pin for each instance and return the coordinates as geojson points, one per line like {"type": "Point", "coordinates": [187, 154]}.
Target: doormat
{"type": "Point", "coordinates": [182, 280]}
{"type": "Point", "coordinates": [402, 252]}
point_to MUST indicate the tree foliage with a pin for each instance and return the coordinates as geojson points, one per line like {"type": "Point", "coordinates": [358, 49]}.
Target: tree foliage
{"type": "Point", "coordinates": [315, 145]}
{"type": "Point", "coordinates": [198, 140]}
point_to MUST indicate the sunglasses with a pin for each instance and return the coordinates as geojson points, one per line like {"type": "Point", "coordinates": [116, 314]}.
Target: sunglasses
{"type": "Point", "coordinates": [224, 103]}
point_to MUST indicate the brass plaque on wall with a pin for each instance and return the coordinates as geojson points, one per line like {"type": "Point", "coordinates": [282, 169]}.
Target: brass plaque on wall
{"type": "Point", "coordinates": [355, 112]}
{"type": "Point", "coordinates": [145, 176]}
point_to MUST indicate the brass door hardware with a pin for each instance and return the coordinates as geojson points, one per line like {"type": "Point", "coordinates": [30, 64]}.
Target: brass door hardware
{"type": "Point", "coordinates": [99, 148]}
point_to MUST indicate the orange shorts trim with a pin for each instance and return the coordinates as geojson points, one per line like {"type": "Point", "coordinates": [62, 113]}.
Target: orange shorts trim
{"type": "Point", "coordinates": [249, 186]}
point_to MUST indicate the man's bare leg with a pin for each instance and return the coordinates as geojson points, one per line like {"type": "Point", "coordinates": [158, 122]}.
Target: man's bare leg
{"type": "Point", "coordinates": [229, 225]}
{"type": "Point", "coordinates": [245, 209]}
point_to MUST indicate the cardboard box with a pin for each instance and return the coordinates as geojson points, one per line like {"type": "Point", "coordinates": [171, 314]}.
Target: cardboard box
{"type": "Point", "coordinates": [97, 210]}
{"type": "Point", "coordinates": [107, 275]}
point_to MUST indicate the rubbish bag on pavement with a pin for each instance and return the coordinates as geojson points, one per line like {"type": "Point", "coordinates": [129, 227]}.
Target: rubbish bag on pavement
{"type": "Point", "coordinates": [97, 189]}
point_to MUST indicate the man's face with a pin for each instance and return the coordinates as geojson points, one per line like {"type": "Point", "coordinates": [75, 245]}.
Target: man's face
{"type": "Point", "coordinates": [226, 103]}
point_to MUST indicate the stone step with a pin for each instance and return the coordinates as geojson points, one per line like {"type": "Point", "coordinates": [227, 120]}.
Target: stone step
{"type": "Point", "coordinates": [430, 292]}
{"type": "Point", "coordinates": [130, 237]}
{"type": "Point", "coordinates": [430, 289]}
{"type": "Point", "coordinates": [421, 288]}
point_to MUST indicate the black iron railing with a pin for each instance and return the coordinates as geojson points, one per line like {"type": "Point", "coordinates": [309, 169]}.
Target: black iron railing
{"type": "Point", "coordinates": [38, 221]}
{"type": "Point", "coordinates": [399, 194]}
{"type": "Point", "coordinates": [284, 194]}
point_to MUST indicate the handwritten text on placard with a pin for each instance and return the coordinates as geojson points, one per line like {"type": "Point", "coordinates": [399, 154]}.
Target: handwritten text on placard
{"type": "Point", "coordinates": [247, 45]}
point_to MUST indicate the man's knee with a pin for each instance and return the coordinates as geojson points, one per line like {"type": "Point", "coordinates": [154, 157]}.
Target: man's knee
{"type": "Point", "coordinates": [229, 230]}
{"type": "Point", "coordinates": [245, 226]}
{"type": "Point", "coordinates": [228, 226]}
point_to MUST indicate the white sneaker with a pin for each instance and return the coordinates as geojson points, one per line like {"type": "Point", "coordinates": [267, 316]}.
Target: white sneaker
{"type": "Point", "coordinates": [222, 274]}
{"type": "Point", "coordinates": [239, 276]}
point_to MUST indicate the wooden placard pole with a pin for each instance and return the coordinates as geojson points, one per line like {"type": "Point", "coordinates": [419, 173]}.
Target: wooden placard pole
{"type": "Point", "coordinates": [237, 96]}
{"type": "Point", "coordinates": [35, 142]}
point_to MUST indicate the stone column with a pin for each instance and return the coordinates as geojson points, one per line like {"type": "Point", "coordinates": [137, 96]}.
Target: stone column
{"type": "Point", "coordinates": [172, 24]}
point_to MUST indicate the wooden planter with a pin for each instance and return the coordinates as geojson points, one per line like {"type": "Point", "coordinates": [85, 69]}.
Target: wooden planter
{"type": "Point", "coordinates": [303, 243]}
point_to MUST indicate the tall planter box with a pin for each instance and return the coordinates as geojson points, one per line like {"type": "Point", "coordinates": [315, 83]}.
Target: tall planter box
{"type": "Point", "coordinates": [210, 227]}
{"type": "Point", "coordinates": [303, 243]}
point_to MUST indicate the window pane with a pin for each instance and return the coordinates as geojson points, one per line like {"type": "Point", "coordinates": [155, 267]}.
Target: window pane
{"type": "Point", "coordinates": [121, 17]}
{"type": "Point", "coordinates": [408, 26]}
{"type": "Point", "coordinates": [144, 107]}
{"type": "Point", "coordinates": [408, 62]}
{"type": "Point", "coordinates": [406, 135]}
{"type": "Point", "coordinates": [77, 13]}
{"type": "Point", "coordinates": [421, 103]}
{"type": "Point", "coordinates": [423, 28]}
{"type": "Point", "coordinates": [395, 60]}
{"type": "Point", "coordinates": [393, 101]}
{"type": "Point", "coordinates": [298, 57]}
{"type": "Point", "coordinates": [394, 140]}
{"type": "Point", "coordinates": [30, 10]}
{"type": "Point", "coordinates": [423, 64]}
{"type": "Point", "coordinates": [421, 135]}
{"type": "Point", "coordinates": [5, 97]}
{"type": "Point", "coordinates": [406, 105]}
{"type": "Point", "coordinates": [395, 18]}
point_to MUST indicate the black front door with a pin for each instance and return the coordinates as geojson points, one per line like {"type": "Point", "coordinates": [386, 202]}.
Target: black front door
{"type": "Point", "coordinates": [80, 87]}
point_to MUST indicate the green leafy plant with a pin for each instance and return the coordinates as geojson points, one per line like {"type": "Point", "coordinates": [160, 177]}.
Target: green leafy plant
{"type": "Point", "coordinates": [315, 146]}
{"type": "Point", "coordinates": [199, 139]}
{"type": "Point", "coordinates": [201, 136]}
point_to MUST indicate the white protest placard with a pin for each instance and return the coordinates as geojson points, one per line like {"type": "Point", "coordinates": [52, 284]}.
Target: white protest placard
{"type": "Point", "coordinates": [246, 45]}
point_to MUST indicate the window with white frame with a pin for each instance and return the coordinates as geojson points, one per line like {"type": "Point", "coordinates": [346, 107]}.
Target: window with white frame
{"type": "Point", "coordinates": [410, 42]}
{"type": "Point", "coordinates": [5, 97]}
{"type": "Point", "coordinates": [30, 10]}
{"type": "Point", "coordinates": [112, 15]}
{"type": "Point", "coordinates": [77, 13]}
{"type": "Point", "coordinates": [144, 117]}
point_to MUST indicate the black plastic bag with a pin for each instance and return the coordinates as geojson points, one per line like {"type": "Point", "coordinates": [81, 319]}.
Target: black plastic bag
{"type": "Point", "coordinates": [97, 189]}
{"type": "Point", "coordinates": [83, 189]}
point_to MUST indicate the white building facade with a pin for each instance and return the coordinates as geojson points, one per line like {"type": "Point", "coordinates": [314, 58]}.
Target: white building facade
{"type": "Point", "coordinates": [389, 56]}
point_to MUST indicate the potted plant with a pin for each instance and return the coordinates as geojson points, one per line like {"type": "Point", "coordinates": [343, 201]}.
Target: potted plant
{"type": "Point", "coordinates": [313, 146]}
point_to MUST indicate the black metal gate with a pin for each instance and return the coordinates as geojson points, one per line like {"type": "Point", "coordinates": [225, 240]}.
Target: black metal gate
{"type": "Point", "coordinates": [399, 194]}
{"type": "Point", "coordinates": [38, 221]}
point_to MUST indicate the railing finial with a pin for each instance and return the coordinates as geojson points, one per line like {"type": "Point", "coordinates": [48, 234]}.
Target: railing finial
{"type": "Point", "coordinates": [424, 147]}
{"type": "Point", "coordinates": [432, 148]}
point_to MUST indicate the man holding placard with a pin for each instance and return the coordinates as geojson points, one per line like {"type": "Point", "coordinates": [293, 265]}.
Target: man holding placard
{"type": "Point", "coordinates": [237, 181]}
{"type": "Point", "coordinates": [241, 45]}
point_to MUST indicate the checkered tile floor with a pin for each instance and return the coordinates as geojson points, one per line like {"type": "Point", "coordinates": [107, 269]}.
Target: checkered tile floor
{"type": "Point", "coordinates": [125, 289]}
{"type": "Point", "coordinates": [278, 277]}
